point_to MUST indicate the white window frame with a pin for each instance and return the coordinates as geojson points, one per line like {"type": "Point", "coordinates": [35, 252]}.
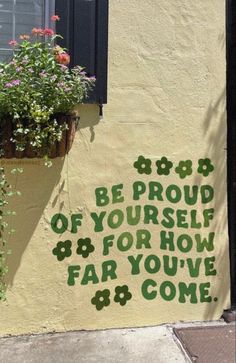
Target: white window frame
{"type": "Point", "coordinates": [49, 10]}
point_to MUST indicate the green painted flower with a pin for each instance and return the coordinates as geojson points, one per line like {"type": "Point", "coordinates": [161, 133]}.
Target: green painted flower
{"type": "Point", "coordinates": [184, 168]}
{"type": "Point", "coordinates": [143, 165]}
{"type": "Point", "coordinates": [163, 166]}
{"type": "Point", "coordinates": [62, 250]}
{"type": "Point", "coordinates": [122, 295]}
{"type": "Point", "coordinates": [85, 247]}
{"type": "Point", "coordinates": [205, 167]}
{"type": "Point", "coordinates": [101, 299]}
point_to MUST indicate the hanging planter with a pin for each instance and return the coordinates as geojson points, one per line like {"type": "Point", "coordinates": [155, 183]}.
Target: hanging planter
{"type": "Point", "coordinates": [69, 123]}
{"type": "Point", "coordinates": [38, 93]}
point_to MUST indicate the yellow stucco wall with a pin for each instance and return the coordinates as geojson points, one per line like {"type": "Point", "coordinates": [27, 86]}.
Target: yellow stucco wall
{"type": "Point", "coordinates": [166, 99]}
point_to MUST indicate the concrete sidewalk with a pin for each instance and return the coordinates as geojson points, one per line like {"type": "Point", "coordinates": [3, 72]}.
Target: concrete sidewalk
{"type": "Point", "coordinates": [137, 345]}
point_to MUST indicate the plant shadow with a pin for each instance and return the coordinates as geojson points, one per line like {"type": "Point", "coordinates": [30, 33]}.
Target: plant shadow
{"type": "Point", "coordinates": [36, 184]}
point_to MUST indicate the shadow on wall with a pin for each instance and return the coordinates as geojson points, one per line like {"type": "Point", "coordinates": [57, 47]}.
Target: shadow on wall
{"type": "Point", "coordinates": [214, 131]}
{"type": "Point", "coordinates": [89, 118]}
{"type": "Point", "coordinates": [36, 185]}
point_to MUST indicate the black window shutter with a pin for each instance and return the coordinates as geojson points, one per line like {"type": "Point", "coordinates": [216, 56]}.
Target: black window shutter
{"type": "Point", "coordinates": [84, 27]}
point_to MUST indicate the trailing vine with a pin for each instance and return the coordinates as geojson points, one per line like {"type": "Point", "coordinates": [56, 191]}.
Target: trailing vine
{"type": "Point", "coordinates": [4, 186]}
{"type": "Point", "coordinates": [5, 227]}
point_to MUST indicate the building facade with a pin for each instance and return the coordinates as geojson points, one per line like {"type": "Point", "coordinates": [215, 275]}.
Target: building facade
{"type": "Point", "coordinates": [131, 227]}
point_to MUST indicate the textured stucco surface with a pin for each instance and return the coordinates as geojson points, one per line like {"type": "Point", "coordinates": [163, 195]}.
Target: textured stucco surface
{"type": "Point", "coordinates": [166, 98]}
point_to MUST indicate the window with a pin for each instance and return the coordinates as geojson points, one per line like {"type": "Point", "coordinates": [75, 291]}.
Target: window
{"type": "Point", "coordinates": [83, 25]}
{"type": "Point", "coordinates": [19, 17]}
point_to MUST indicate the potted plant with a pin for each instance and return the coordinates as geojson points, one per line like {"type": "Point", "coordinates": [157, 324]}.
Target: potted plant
{"type": "Point", "coordinates": [38, 93]}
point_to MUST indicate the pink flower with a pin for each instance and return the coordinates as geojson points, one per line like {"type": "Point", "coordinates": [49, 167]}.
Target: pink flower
{"type": "Point", "coordinates": [16, 82]}
{"type": "Point", "coordinates": [63, 67]}
{"type": "Point", "coordinates": [18, 69]}
{"type": "Point", "coordinates": [37, 31]}
{"type": "Point", "coordinates": [55, 17]}
{"type": "Point", "coordinates": [43, 74]}
{"type": "Point", "coordinates": [48, 31]}
{"type": "Point", "coordinates": [13, 43]}
{"type": "Point", "coordinates": [24, 37]}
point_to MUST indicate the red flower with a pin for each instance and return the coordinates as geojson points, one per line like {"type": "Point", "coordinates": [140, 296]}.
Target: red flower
{"type": "Point", "coordinates": [48, 31]}
{"type": "Point", "coordinates": [55, 17]}
{"type": "Point", "coordinates": [37, 31]}
{"type": "Point", "coordinates": [13, 43]}
{"type": "Point", "coordinates": [63, 58]}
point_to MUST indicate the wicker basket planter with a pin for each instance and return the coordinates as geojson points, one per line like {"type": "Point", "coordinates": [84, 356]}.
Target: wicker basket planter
{"type": "Point", "coordinates": [59, 149]}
